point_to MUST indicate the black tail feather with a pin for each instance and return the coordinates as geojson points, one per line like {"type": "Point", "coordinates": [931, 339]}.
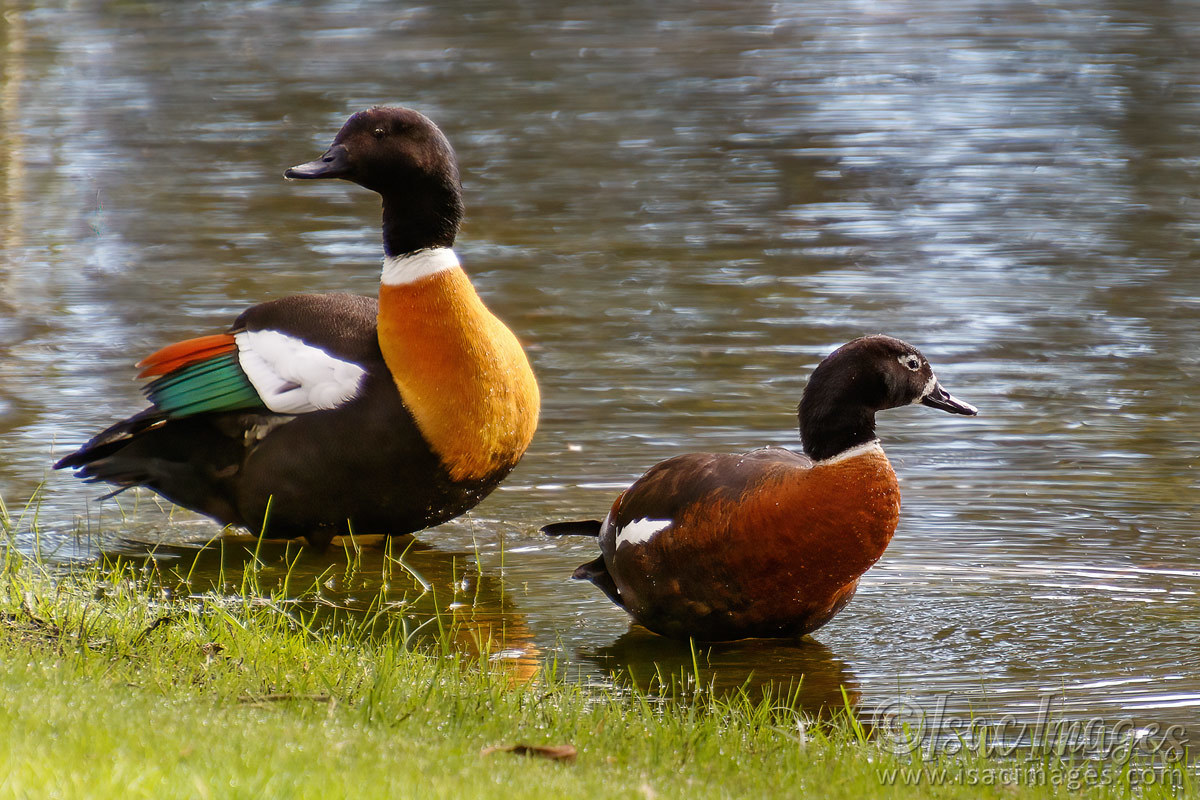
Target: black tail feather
{"type": "Point", "coordinates": [111, 439]}
{"type": "Point", "coordinates": [189, 461]}
{"type": "Point", "coordinates": [583, 527]}
{"type": "Point", "coordinates": [597, 572]}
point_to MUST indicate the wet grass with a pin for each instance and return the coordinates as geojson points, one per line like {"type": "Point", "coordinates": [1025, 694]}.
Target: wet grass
{"type": "Point", "coordinates": [110, 686]}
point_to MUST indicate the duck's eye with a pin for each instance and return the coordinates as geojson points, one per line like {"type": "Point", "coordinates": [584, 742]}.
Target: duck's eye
{"type": "Point", "coordinates": [379, 133]}
{"type": "Point", "coordinates": [911, 361]}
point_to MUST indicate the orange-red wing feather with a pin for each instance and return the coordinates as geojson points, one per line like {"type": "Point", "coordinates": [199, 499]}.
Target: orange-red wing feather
{"type": "Point", "coordinates": [189, 351]}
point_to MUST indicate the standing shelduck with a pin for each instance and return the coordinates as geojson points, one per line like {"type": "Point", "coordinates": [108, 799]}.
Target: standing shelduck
{"type": "Point", "coordinates": [770, 542]}
{"type": "Point", "coordinates": [337, 412]}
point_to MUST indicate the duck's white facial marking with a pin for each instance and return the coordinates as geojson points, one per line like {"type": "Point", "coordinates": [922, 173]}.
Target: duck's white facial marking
{"type": "Point", "coordinates": [929, 386]}
{"type": "Point", "coordinates": [399, 270]}
{"type": "Point", "coordinates": [641, 530]}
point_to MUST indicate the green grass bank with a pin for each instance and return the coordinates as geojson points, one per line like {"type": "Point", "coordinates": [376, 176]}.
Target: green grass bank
{"type": "Point", "coordinates": [110, 687]}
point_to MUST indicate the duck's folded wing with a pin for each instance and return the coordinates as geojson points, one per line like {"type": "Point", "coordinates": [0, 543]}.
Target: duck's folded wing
{"type": "Point", "coordinates": [708, 484]}
{"type": "Point", "coordinates": [248, 369]}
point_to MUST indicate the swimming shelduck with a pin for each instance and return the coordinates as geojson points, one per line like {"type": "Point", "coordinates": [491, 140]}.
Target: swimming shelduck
{"type": "Point", "coordinates": [768, 543]}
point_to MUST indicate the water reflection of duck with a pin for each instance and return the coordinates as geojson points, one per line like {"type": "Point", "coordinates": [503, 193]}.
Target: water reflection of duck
{"type": "Point", "coordinates": [440, 597]}
{"type": "Point", "coordinates": [337, 412]}
{"type": "Point", "coordinates": [804, 673]}
{"type": "Point", "coordinates": [767, 543]}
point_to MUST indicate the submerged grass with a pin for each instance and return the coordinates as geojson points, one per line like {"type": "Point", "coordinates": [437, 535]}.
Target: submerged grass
{"type": "Point", "coordinates": [108, 687]}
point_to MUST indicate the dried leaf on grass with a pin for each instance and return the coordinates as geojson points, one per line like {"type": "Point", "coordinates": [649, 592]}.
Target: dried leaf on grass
{"type": "Point", "coordinates": [554, 752]}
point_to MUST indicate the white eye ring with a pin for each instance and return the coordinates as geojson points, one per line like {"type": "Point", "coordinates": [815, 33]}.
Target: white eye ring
{"type": "Point", "coordinates": [910, 361]}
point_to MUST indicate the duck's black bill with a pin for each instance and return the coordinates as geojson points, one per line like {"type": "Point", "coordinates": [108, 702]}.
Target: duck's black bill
{"type": "Point", "coordinates": [942, 400]}
{"type": "Point", "coordinates": [333, 164]}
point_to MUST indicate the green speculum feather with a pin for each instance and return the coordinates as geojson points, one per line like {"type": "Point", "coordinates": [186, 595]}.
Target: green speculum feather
{"type": "Point", "coordinates": [214, 384]}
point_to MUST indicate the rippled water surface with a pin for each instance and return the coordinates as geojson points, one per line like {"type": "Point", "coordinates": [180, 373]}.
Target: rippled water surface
{"type": "Point", "coordinates": [680, 208]}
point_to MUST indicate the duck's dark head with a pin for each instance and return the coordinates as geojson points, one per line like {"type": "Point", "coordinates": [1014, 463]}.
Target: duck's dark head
{"type": "Point", "coordinates": [860, 378]}
{"type": "Point", "coordinates": [403, 156]}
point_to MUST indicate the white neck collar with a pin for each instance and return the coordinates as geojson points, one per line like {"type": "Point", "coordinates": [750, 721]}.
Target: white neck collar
{"type": "Point", "coordinates": [410, 268]}
{"type": "Point", "coordinates": [853, 452]}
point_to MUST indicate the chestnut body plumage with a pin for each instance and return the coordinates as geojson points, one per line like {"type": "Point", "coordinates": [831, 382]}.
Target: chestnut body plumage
{"type": "Point", "coordinates": [341, 413]}
{"type": "Point", "coordinates": [769, 542]}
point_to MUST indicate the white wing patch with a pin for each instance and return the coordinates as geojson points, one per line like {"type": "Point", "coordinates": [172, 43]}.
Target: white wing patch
{"type": "Point", "coordinates": [641, 530]}
{"type": "Point", "coordinates": [292, 377]}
